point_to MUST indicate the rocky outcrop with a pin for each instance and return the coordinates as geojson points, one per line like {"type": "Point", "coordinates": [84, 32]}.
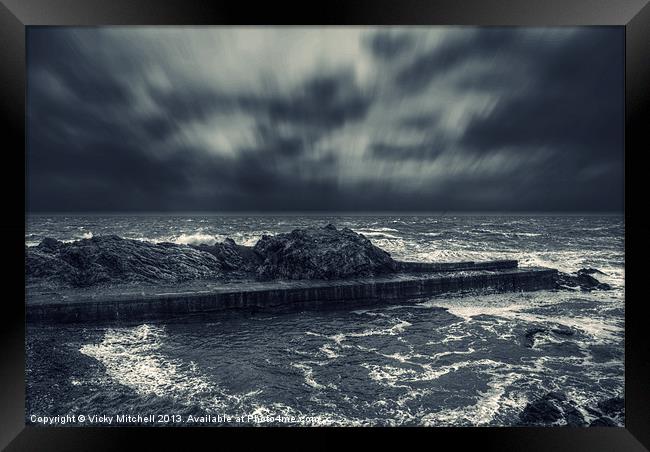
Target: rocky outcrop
{"type": "Point", "coordinates": [553, 408]}
{"type": "Point", "coordinates": [232, 257]}
{"type": "Point", "coordinates": [612, 407]}
{"type": "Point", "coordinates": [528, 338]}
{"type": "Point", "coordinates": [581, 279]}
{"type": "Point", "coordinates": [321, 253]}
{"type": "Point", "coordinates": [609, 412]}
{"type": "Point", "coordinates": [111, 259]}
{"type": "Point", "coordinates": [312, 253]}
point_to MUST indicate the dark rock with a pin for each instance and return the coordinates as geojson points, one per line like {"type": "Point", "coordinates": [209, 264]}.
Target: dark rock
{"type": "Point", "coordinates": [556, 395]}
{"type": "Point", "coordinates": [529, 336]}
{"type": "Point", "coordinates": [321, 253]}
{"type": "Point", "coordinates": [582, 279]}
{"type": "Point", "coordinates": [593, 412]}
{"type": "Point", "coordinates": [564, 331]}
{"type": "Point", "coordinates": [612, 407]}
{"type": "Point", "coordinates": [50, 244]}
{"type": "Point", "coordinates": [585, 278]}
{"type": "Point", "coordinates": [111, 259]}
{"type": "Point", "coordinates": [312, 253]}
{"type": "Point", "coordinates": [232, 257]}
{"type": "Point", "coordinates": [608, 413]}
{"type": "Point", "coordinates": [573, 417]}
{"type": "Point", "coordinates": [552, 408]}
{"type": "Point", "coordinates": [603, 421]}
{"type": "Point", "coordinates": [590, 271]}
{"type": "Point", "coordinates": [544, 411]}
{"type": "Point", "coordinates": [42, 262]}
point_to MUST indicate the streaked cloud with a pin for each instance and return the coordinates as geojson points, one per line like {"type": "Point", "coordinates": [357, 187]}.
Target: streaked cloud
{"type": "Point", "coordinates": [288, 118]}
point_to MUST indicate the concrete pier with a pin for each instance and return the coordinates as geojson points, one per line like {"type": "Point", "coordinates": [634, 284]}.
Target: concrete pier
{"type": "Point", "coordinates": [434, 267]}
{"type": "Point", "coordinates": [208, 297]}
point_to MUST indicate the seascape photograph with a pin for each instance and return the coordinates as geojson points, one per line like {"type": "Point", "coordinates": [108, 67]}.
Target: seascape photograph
{"type": "Point", "coordinates": [325, 226]}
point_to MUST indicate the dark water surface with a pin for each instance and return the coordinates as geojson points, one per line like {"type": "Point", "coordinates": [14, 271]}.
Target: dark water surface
{"type": "Point", "coordinates": [455, 360]}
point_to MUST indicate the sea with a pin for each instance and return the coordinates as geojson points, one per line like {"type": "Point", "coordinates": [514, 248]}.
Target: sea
{"type": "Point", "coordinates": [455, 360]}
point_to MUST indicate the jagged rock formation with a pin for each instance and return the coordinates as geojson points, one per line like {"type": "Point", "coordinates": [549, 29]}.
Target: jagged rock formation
{"type": "Point", "coordinates": [528, 338]}
{"type": "Point", "coordinates": [607, 411]}
{"type": "Point", "coordinates": [312, 253]}
{"type": "Point", "coordinates": [321, 253]}
{"type": "Point", "coordinates": [582, 279]}
{"type": "Point", "coordinates": [554, 408]}
{"type": "Point", "coordinates": [111, 259]}
{"type": "Point", "coordinates": [232, 257]}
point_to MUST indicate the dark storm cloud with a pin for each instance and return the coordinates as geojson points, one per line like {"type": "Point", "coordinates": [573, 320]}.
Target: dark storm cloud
{"type": "Point", "coordinates": [179, 121]}
{"type": "Point", "coordinates": [575, 100]}
{"type": "Point", "coordinates": [483, 43]}
{"type": "Point", "coordinates": [420, 122]}
{"type": "Point", "coordinates": [573, 109]}
{"type": "Point", "coordinates": [326, 101]}
{"type": "Point", "coordinates": [389, 45]}
{"type": "Point", "coordinates": [323, 103]}
{"type": "Point", "coordinates": [427, 150]}
{"type": "Point", "coordinates": [569, 104]}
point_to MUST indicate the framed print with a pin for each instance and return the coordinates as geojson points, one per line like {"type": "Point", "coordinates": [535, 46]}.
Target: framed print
{"type": "Point", "coordinates": [413, 216]}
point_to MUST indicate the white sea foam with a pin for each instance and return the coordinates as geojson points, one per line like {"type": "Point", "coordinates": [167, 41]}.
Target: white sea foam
{"type": "Point", "coordinates": [516, 307]}
{"type": "Point", "coordinates": [85, 235]}
{"type": "Point", "coordinates": [133, 358]}
{"type": "Point", "coordinates": [398, 327]}
{"type": "Point", "coordinates": [309, 375]}
{"type": "Point", "coordinates": [329, 352]}
{"type": "Point", "coordinates": [488, 404]}
{"type": "Point", "coordinates": [248, 239]}
{"type": "Point", "coordinates": [367, 230]}
{"type": "Point", "coordinates": [195, 239]}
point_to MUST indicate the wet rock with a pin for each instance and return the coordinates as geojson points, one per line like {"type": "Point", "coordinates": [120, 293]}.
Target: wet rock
{"type": "Point", "coordinates": [582, 279]}
{"type": "Point", "coordinates": [544, 410]}
{"type": "Point", "coordinates": [232, 257]}
{"type": "Point", "coordinates": [50, 244]}
{"type": "Point", "coordinates": [529, 336]}
{"type": "Point", "coordinates": [590, 271]}
{"type": "Point", "coordinates": [608, 413]}
{"type": "Point", "coordinates": [564, 331]}
{"type": "Point", "coordinates": [552, 408]}
{"type": "Point", "coordinates": [321, 253]}
{"type": "Point", "coordinates": [312, 253]}
{"type": "Point", "coordinates": [111, 259]}
{"type": "Point", "coordinates": [44, 262]}
{"type": "Point", "coordinates": [603, 421]}
{"type": "Point", "coordinates": [612, 407]}
{"type": "Point", "coordinates": [573, 417]}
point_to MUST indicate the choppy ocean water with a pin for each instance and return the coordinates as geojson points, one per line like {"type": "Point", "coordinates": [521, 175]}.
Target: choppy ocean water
{"type": "Point", "coordinates": [455, 360]}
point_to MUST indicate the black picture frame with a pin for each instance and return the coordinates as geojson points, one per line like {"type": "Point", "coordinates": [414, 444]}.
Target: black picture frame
{"type": "Point", "coordinates": [16, 15]}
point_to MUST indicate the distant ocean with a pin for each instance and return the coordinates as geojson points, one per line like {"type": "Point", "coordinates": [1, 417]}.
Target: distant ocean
{"type": "Point", "coordinates": [454, 360]}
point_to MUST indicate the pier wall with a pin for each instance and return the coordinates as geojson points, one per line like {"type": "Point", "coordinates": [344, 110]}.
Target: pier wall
{"type": "Point", "coordinates": [301, 295]}
{"type": "Point", "coordinates": [429, 267]}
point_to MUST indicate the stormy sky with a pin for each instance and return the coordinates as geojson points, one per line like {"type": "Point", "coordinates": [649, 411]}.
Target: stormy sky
{"type": "Point", "coordinates": [338, 119]}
